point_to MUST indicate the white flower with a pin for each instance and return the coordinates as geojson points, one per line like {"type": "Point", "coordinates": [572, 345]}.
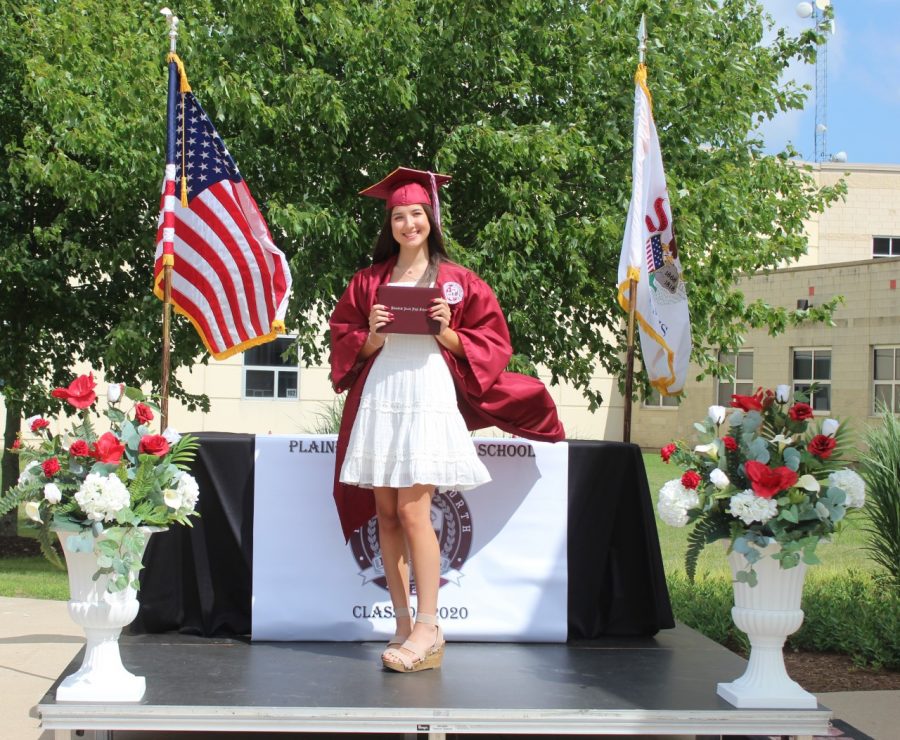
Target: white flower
{"type": "Point", "coordinates": [717, 414]}
{"type": "Point", "coordinates": [674, 502]}
{"type": "Point", "coordinates": [852, 484]}
{"type": "Point", "coordinates": [114, 392]}
{"type": "Point", "coordinates": [25, 476]}
{"type": "Point", "coordinates": [782, 393]}
{"type": "Point", "coordinates": [830, 427]}
{"type": "Point", "coordinates": [719, 479]}
{"type": "Point", "coordinates": [782, 441]}
{"type": "Point", "coordinates": [33, 510]}
{"type": "Point", "coordinates": [808, 483]}
{"type": "Point", "coordinates": [171, 435]}
{"type": "Point", "coordinates": [183, 498]}
{"type": "Point", "coordinates": [101, 497]}
{"type": "Point", "coordinates": [52, 493]}
{"type": "Point", "coordinates": [708, 449]}
{"type": "Point", "coordinates": [749, 508]}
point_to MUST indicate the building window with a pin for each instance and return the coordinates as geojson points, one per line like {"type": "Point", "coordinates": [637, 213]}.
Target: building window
{"type": "Point", "coordinates": [267, 374]}
{"type": "Point", "coordinates": [657, 400]}
{"type": "Point", "coordinates": [885, 246]}
{"type": "Point", "coordinates": [887, 379]}
{"type": "Point", "coordinates": [740, 376]}
{"type": "Point", "coordinates": [814, 366]}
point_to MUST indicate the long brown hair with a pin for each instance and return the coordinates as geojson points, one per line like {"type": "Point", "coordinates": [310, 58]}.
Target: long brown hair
{"type": "Point", "coordinates": [386, 246]}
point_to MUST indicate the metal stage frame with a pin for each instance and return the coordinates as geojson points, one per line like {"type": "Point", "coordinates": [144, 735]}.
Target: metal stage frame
{"type": "Point", "coordinates": [662, 685]}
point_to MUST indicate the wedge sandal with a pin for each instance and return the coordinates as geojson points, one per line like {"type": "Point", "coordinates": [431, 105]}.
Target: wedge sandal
{"type": "Point", "coordinates": [421, 659]}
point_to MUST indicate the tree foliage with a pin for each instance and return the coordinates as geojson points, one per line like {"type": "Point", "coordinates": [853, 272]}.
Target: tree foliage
{"type": "Point", "coordinates": [527, 103]}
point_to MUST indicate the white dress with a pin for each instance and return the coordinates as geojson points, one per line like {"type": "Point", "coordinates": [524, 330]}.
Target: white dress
{"type": "Point", "coordinates": [408, 429]}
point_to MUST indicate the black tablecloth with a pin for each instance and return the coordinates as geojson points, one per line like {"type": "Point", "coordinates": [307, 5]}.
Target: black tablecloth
{"type": "Point", "coordinates": [197, 579]}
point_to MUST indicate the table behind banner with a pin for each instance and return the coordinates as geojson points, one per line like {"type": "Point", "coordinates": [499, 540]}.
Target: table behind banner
{"type": "Point", "coordinates": [198, 580]}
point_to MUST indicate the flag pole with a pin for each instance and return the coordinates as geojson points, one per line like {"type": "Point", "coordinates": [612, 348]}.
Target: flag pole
{"type": "Point", "coordinates": [632, 286]}
{"type": "Point", "coordinates": [168, 218]}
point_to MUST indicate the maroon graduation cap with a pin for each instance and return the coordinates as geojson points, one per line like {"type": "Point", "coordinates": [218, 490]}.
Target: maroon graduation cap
{"type": "Point", "coordinates": [405, 187]}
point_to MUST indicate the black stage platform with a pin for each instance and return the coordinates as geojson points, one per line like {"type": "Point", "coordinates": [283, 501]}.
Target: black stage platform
{"type": "Point", "coordinates": [662, 685]}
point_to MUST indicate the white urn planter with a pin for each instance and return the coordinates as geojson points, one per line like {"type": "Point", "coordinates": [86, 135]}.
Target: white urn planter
{"type": "Point", "coordinates": [768, 613]}
{"type": "Point", "coordinates": [101, 615]}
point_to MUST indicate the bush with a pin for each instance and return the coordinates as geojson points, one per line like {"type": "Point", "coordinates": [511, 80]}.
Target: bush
{"type": "Point", "coordinates": [705, 605]}
{"type": "Point", "coordinates": [853, 614]}
{"type": "Point", "coordinates": [881, 471]}
{"type": "Point", "coordinates": [848, 613]}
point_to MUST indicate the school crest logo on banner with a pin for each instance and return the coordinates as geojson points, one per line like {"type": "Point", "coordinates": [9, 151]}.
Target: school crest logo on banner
{"type": "Point", "coordinates": [452, 522]}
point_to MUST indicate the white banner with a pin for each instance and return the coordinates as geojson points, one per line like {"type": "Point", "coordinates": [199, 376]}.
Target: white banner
{"type": "Point", "coordinates": [650, 256]}
{"type": "Point", "coordinates": [503, 548]}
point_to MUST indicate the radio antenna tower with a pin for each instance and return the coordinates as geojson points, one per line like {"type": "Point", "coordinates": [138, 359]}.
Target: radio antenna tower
{"type": "Point", "coordinates": [822, 14]}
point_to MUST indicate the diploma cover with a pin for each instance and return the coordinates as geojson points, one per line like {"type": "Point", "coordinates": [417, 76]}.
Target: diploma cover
{"type": "Point", "coordinates": [410, 305]}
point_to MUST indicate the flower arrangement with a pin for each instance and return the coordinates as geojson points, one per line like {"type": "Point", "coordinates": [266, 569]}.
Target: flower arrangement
{"type": "Point", "coordinates": [764, 471]}
{"type": "Point", "coordinates": [106, 487]}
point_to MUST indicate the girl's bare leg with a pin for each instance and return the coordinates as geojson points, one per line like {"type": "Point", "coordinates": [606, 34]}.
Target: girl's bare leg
{"type": "Point", "coordinates": [394, 556]}
{"type": "Point", "coordinates": [414, 513]}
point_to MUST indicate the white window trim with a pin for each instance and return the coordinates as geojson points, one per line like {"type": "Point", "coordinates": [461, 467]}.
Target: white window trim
{"type": "Point", "coordinates": [809, 381]}
{"type": "Point", "coordinates": [894, 382]}
{"type": "Point", "coordinates": [659, 406]}
{"type": "Point", "coordinates": [735, 380]}
{"type": "Point", "coordinates": [273, 369]}
{"type": "Point", "coordinates": [884, 256]}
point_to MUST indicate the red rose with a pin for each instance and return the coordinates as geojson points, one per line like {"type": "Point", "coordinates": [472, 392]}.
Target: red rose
{"type": "Point", "coordinates": [79, 448]}
{"type": "Point", "coordinates": [766, 481]}
{"type": "Point", "coordinates": [666, 452]}
{"type": "Point", "coordinates": [80, 392]}
{"type": "Point", "coordinates": [766, 398]}
{"type": "Point", "coordinates": [108, 449]}
{"type": "Point", "coordinates": [800, 412]}
{"type": "Point", "coordinates": [730, 444]}
{"type": "Point", "coordinates": [822, 446]}
{"type": "Point", "coordinates": [691, 479]}
{"type": "Point", "coordinates": [17, 443]}
{"type": "Point", "coordinates": [50, 466]}
{"type": "Point", "coordinates": [153, 444]}
{"type": "Point", "coordinates": [39, 424]}
{"type": "Point", "coordinates": [746, 403]}
{"type": "Point", "coordinates": [142, 413]}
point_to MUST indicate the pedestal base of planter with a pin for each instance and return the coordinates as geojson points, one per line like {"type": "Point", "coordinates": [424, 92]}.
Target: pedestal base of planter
{"type": "Point", "coordinates": [788, 695]}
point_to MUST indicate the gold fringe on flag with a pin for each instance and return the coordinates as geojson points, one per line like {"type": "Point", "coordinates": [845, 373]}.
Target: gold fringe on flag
{"type": "Point", "coordinates": [184, 87]}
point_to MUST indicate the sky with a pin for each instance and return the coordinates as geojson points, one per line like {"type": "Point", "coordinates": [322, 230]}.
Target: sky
{"type": "Point", "coordinates": [863, 114]}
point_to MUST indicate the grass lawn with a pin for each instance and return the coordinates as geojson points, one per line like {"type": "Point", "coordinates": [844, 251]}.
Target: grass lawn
{"type": "Point", "coordinates": [35, 578]}
{"type": "Point", "coordinates": [32, 577]}
{"type": "Point", "coordinates": [844, 553]}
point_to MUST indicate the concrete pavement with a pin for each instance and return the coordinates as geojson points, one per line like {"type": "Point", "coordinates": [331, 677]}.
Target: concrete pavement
{"type": "Point", "coordinates": [38, 640]}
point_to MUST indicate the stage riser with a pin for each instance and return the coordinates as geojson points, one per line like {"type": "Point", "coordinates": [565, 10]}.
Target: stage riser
{"type": "Point", "coordinates": [617, 686]}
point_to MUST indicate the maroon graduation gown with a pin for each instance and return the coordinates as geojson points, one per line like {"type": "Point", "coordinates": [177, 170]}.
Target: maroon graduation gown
{"type": "Point", "coordinates": [485, 393]}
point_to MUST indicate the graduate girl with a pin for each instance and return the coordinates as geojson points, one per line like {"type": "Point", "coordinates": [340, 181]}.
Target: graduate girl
{"type": "Point", "coordinates": [412, 399]}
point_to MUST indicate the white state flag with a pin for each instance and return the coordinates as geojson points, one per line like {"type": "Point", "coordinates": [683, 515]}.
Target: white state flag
{"type": "Point", "coordinates": [650, 256]}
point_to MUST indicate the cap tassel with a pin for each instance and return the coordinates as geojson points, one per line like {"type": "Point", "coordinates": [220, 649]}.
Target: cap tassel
{"type": "Point", "coordinates": [435, 202]}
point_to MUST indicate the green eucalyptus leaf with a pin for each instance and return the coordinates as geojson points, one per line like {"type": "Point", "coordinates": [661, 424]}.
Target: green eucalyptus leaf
{"type": "Point", "coordinates": [134, 394]}
{"type": "Point", "coordinates": [791, 458]}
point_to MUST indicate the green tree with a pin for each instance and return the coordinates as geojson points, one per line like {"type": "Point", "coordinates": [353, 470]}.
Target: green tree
{"type": "Point", "coordinates": [527, 103]}
{"type": "Point", "coordinates": [80, 173]}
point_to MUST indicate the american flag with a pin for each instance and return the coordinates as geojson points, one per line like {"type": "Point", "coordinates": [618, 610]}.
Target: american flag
{"type": "Point", "coordinates": [654, 253]}
{"type": "Point", "coordinates": [229, 278]}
